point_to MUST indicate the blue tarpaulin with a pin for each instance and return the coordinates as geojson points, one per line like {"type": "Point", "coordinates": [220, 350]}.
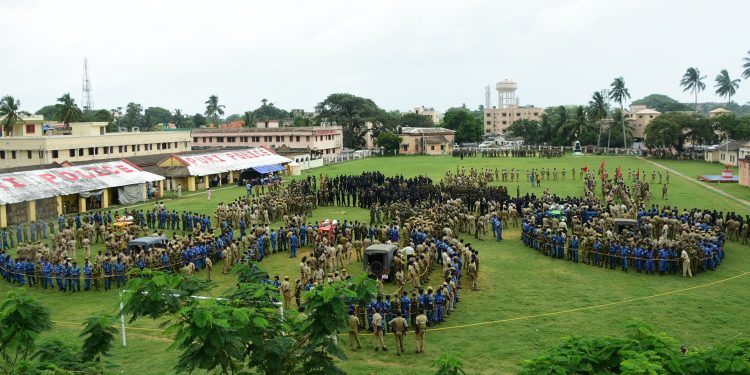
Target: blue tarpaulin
{"type": "Point", "coordinates": [268, 168]}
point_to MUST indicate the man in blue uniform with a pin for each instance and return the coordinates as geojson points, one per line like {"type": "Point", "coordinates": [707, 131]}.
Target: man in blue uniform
{"type": "Point", "coordinates": [293, 243]}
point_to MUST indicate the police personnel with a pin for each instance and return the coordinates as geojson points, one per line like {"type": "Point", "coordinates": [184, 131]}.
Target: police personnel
{"type": "Point", "coordinates": [398, 326]}
{"type": "Point", "coordinates": [420, 328]}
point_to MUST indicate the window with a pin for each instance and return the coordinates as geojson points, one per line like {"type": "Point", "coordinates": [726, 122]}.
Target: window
{"type": "Point", "coordinates": [640, 116]}
{"type": "Point", "coordinates": [175, 145]}
{"type": "Point", "coordinates": [80, 152]}
{"type": "Point", "coordinates": [489, 122]}
{"type": "Point", "coordinates": [12, 154]}
{"type": "Point", "coordinates": [30, 129]}
{"type": "Point", "coordinates": [105, 150]}
{"type": "Point", "coordinates": [432, 147]}
{"type": "Point", "coordinates": [232, 139]}
{"type": "Point", "coordinates": [219, 139]}
{"type": "Point", "coordinates": [403, 147]}
{"type": "Point", "coordinates": [72, 152]}
{"type": "Point", "coordinates": [2, 154]}
{"type": "Point", "coordinates": [158, 146]}
{"type": "Point", "coordinates": [505, 122]}
{"type": "Point", "coordinates": [503, 114]}
{"type": "Point", "coordinates": [132, 148]}
{"type": "Point", "coordinates": [119, 148]}
{"type": "Point", "coordinates": [28, 154]}
{"type": "Point", "coordinates": [204, 139]}
{"type": "Point", "coordinates": [92, 150]}
{"type": "Point", "coordinates": [650, 116]}
{"type": "Point", "coordinates": [297, 138]}
{"type": "Point", "coordinates": [307, 138]}
{"type": "Point", "coordinates": [55, 154]}
{"type": "Point", "coordinates": [442, 147]}
{"type": "Point", "coordinates": [536, 113]}
{"type": "Point", "coordinates": [195, 140]}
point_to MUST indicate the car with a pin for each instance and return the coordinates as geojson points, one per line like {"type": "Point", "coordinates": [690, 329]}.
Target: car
{"type": "Point", "coordinates": [625, 224]}
{"type": "Point", "coordinates": [145, 243]}
{"type": "Point", "coordinates": [378, 260]}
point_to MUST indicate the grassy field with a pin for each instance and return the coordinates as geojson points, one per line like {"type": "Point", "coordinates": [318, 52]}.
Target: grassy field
{"type": "Point", "coordinates": [527, 302]}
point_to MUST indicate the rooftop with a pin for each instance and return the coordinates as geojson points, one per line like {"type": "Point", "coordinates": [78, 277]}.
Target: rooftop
{"type": "Point", "coordinates": [411, 130]}
{"type": "Point", "coordinates": [291, 129]}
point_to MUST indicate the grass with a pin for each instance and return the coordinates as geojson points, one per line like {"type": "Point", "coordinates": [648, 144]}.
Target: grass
{"type": "Point", "coordinates": [527, 302]}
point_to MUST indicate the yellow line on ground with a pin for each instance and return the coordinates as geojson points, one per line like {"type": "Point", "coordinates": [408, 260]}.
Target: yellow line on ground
{"type": "Point", "coordinates": [506, 320]}
{"type": "Point", "coordinates": [584, 308]}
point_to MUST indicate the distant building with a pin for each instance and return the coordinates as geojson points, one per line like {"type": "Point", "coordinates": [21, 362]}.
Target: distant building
{"type": "Point", "coordinates": [718, 112]}
{"type": "Point", "coordinates": [429, 112]}
{"type": "Point", "coordinates": [728, 152]}
{"type": "Point", "coordinates": [323, 140]}
{"type": "Point", "coordinates": [88, 141]}
{"type": "Point", "coordinates": [498, 119]}
{"type": "Point", "coordinates": [744, 172]}
{"type": "Point", "coordinates": [426, 141]}
{"type": "Point", "coordinates": [640, 116]}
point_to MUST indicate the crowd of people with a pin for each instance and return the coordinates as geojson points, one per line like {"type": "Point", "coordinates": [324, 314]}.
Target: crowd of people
{"type": "Point", "coordinates": [412, 213]}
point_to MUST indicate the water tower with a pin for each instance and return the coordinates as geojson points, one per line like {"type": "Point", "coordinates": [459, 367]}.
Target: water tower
{"type": "Point", "coordinates": [506, 94]}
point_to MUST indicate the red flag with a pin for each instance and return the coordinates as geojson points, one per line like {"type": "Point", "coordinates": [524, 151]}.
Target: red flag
{"type": "Point", "coordinates": [619, 172]}
{"type": "Point", "coordinates": [585, 169]}
{"type": "Point", "coordinates": [601, 166]}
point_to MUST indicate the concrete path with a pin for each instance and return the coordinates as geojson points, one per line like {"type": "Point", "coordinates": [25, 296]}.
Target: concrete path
{"type": "Point", "coordinates": [693, 180]}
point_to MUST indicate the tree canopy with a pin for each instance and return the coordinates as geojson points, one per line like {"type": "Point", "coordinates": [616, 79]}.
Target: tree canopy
{"type": "Point", "coordinates": [674, 129]}
{"type": "Point", "coordinates": [416, 120]}
{"type": "Point", "coordinates": [663, 103]}
{"type": "Point", "coordinates": [352, 113]}
{"type": "Point", "coordinates": [467, 126]}
{"type": "Point", "coordinates": [389, 141]}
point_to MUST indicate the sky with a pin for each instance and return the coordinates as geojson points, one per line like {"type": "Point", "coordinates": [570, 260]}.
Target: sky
{"type": "Point", "coordinates": [401, 54]}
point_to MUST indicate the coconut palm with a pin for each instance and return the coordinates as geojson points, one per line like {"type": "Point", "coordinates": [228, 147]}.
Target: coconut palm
{"type": "Point", "coordinates": [10, 114]}
{"type": "Point", "coordinates": [693, 81]}
{"type": "Point", "coordinates": [597, 112]}
{"type": "Point", "coordinates": [746, 66]}
{"type": "Point", "coordinates": [214, 109]}
{"type": "Point", "coordinates": [619, 94]}
{"type": "Point", "coordinates": [619, 121]}
{"type": "Point", "coordinates": [178, 118]}
{"type": "Point", "coordinates": [726, 86]}
{"type": "Point", "coordinates": [68, 110]}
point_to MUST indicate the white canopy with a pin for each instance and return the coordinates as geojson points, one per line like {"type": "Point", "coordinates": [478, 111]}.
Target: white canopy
{"type": "Point", "coordinates": [220, 162]}
{"type": "Point", "coordinates": [46, 183]}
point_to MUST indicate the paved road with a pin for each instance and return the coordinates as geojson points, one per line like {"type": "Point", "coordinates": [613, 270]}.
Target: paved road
{"type": "Point", "coordinates": [693, 180]}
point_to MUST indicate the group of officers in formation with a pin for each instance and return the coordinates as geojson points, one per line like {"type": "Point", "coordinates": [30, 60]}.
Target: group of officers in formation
{"type": "Point", "coordinates": [422, 218]}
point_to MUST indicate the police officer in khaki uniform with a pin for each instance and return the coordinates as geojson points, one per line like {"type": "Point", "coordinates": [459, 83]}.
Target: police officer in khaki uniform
{"type": "Point", "coordinates": [398, 326]}
{"type": "Point", "coordinates": [377, 329]}
{"type": "Point", "coordinates": [353, 331]}
{"type": "Point", "coordinates": [420, 328]}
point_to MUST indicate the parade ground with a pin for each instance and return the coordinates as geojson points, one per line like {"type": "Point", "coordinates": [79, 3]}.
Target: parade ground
{"type": "Point", "coordinates": [527, 302]}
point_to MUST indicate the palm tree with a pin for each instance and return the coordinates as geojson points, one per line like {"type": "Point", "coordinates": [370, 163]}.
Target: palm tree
{"type": "Point", "coordinates": [619, 94]}
{"type": "Point", "coordinates": [69, 111]}
{"type": "Point", "coordinates": [247, 119]}
{"type": "Point", "coordinates": [178, 118]}
{"type": "Point", "coordinates": [598, 112]}
{"type": "Point", "coordinates": [693, 81]}
{"type": "Point", "coordinates": [746, 66]}
{"type": "Point", "coordinates": [10, 114]}
{"type": "Point", "coordinates": [620, 121]}
{"type": "Point", "coordinates": [214, 109]}
{"type": "Point", "coordinates": [579, 122]}
{"type": "Point", "coordinates": [726, 86]}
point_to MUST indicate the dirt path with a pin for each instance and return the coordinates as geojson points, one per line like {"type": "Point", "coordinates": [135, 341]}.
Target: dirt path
{"type": "Point", "coordinates": [703, 184]}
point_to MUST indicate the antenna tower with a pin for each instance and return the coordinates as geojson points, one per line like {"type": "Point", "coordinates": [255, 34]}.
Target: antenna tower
{"type": "Point", "coordinates": [487, 97]}
{"type": "Point", "coordinates": [88, 102]}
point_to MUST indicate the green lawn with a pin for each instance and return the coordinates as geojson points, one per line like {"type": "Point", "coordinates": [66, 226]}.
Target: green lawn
{"type": "Point", "coordinates": [526, 304]}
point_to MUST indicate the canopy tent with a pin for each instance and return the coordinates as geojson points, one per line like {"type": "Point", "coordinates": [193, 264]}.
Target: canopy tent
{"type": "Point", "coordinates": [221, 162]}
{"type": "Point", "coordinates": [46, 183]}
{"type": "Point", "coordinates": [263, 169]}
